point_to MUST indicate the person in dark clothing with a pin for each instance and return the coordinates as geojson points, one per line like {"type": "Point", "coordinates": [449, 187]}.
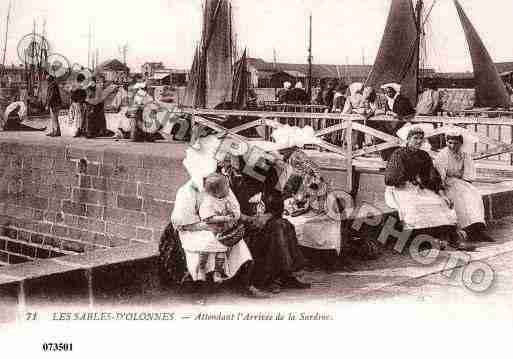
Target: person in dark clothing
{"type": "Point", "coordinates": [271, 238]}
{"type": "Point", "coordinates": [77, 110]}
{"type": "Point", "coordinates": [12, 119]}
{"type": "Point", "coordinates": [328, 94]}
{"type": "Point", "coordinates": [399, 108]}
{"type": "Point", "coordinates": [397, 105]}
{"type": "Point", "coordinates": [298, 95]}
{"type": "Point", "coordinates": [95, 124]}
{"type": "Point", "coordinates": [283, 94]}
{"type": "Point", "coordinates": [53, 103]}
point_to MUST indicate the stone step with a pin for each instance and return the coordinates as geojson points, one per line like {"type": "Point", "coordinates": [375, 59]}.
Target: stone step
{"type": "Point", "coordinates": [12, 247]}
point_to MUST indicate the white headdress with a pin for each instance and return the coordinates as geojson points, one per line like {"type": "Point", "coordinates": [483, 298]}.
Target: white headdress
{"type": "Point", "coordinates": [299, 85]}
{"type": "Point", "coordinates": [468, 138]}
{"type": "Point", "coordinates": [355, 87]}
{"type": "Point", "coordinates": [139, 85]}
{"type": "Point", "coordinates": [426, 128]}
{"type": "Point", "coordinates": [287, 85]}
{"type": "Point", "coordinates": [393, 85]}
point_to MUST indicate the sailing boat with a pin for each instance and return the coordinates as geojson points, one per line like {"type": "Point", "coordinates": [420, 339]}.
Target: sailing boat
{"type": "Point", "coordinates": [398, 56]}
{"type": "Point", "coordinates": [212, 68]}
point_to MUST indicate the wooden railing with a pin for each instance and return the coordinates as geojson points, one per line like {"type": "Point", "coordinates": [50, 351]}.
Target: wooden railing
{"type": "Point", "coordinates": [326, 124]}
{"type": "Point", "coordinates": [275, 106]}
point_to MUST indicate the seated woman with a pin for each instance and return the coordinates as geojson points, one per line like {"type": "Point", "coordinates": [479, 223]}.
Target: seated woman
{"type": "Point", "coordinates": [458, 171]}
{"type": "Point", "coordinates": [200, 247]}
{"type": "Point", "coordinates": [13, 117]}
{"type": "Point", "coordinates": [270, 237]}
{"type": "Point", "coordinates": [414, 190]}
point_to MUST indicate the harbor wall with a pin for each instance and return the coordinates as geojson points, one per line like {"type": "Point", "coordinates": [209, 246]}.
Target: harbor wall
{"type": "Point", "coordinates": [63, 197]}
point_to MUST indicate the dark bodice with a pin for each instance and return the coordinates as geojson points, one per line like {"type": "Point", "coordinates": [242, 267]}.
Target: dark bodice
{"type": "Point", "coordinates": [416, 166]}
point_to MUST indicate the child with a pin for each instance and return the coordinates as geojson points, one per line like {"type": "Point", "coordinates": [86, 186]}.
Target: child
{"type": "Point", "coordinates": [221, 211]}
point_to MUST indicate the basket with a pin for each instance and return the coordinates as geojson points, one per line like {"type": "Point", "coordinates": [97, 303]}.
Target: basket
{"type": "Point", "coordinates": [232, 236]}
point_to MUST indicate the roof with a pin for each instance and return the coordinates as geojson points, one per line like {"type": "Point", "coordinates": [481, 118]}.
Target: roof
{"type": "Point", "coordinates": [318, 70]}
{"type": "Point", "coordinates": [455, 75]}
{"type": "Point", "coordinates": [293, 73]}
{"type": "Point", "coordinates": [111, 65]}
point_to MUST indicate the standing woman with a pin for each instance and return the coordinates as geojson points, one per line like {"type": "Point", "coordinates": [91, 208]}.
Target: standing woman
{"type": "Point", "coordinates": [77, 110]}
{"type": "Point", "coordinates": [95, 123]}
{"type": "Point", "coordinates": [53, 103]}
{"type": "Point", "coordinates": [457, 171]}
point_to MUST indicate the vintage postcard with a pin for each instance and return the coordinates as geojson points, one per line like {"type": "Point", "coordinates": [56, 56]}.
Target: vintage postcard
{"type": "Point", "coordinates": [177, 174]}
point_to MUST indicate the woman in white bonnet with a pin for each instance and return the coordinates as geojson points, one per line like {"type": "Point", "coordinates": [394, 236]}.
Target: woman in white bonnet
{"type": "Point", "coordinates": [193, 232]}
{"type": "Point", "coordinates": [457, 170]}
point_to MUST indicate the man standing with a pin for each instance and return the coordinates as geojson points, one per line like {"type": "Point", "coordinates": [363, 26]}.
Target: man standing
{"type": "Point", "coordinates": [53, 103]}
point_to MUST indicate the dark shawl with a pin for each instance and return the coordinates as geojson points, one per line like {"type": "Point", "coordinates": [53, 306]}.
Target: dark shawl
{"type": "Point", "coordinates": [415, 166]}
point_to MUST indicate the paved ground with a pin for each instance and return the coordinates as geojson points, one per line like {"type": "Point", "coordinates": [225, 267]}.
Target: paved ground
{"type": "Point", "coordinates": [393, 278]}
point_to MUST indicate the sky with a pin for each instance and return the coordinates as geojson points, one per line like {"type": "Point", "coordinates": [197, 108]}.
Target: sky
{"type": "Point", "coordinates": [344, 31]}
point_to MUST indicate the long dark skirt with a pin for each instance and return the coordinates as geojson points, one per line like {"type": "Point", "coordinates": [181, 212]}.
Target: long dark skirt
{"type": "Point", "coordinates": [95, 124]}
{"type": "Point", "coordinates": [275, 251]}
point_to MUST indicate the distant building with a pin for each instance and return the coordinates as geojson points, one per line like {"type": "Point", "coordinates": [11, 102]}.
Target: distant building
{"type": "Point", "coordinates": [158, 74]}
{"type": "Point", "coordinates": [113, 70]}
{"type": "Point", "coordinates": [12, 76]}
{"type": "Point", "coordinates": [148, 69]}
{"type": "Point", "coordinates": [268, 75]}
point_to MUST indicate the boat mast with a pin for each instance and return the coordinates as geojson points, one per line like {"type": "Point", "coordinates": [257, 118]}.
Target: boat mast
{"type": "Point", "coordinates": [418, 10]}
{"type": "Point", "coordinates": [6, 35]}
{"type": "Point", "coordinates": [309, 89]}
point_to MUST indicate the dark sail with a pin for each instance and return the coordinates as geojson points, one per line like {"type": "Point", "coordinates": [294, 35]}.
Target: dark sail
{"type": "Point", "coordinates": [191, 91]}
{"type": "Point", "coordinates": [240, 84]}
{"type": "Point", "coordinates": [490, 90]}
{"type": "Point", "coordinates": [398, 55]}
{"type": "Point", "coordinates": [211, 72]}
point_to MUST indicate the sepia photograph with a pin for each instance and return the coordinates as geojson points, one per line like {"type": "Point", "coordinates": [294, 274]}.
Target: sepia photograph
{"type": "Point", "coordinates": [189, 170]}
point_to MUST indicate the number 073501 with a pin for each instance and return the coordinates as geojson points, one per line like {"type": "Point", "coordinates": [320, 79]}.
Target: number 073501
{"type": "Point", "coordinates": [57, 347]}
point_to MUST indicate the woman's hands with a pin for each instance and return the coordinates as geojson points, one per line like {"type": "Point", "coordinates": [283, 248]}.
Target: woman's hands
{"type": "Point", "coordinates": [447, 200]}
{"type": "Point", "coordinates": [258, 221]}
{"type": "Point", "coordinates": [195, 227]}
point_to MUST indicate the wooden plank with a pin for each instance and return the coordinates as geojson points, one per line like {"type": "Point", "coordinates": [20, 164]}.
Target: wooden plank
{"type": "Point", "coordinates": [327, 130]}
{"type": "Point", "coordinates": [373, 132]}
{"type": "Point", "coordinates": [495, 151]}
{"type": "Point", "coordinates": [376, 148]}
{"type": "Point", "coordinates": [349, 157]}
{"type": "Point", "coordinates": [247, 126]}
{"type": "Point", "coordinates": [328, 146]}
{"type": "Point", "coordinates": [340, 117]}
{"type": "Point", "coordinates": [463, 120]}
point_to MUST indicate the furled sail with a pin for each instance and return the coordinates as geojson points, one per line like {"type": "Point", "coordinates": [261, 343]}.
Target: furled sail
{"type": "Point", "coordinates": [398, 55]}
{"type": "Point", "coordinates": [212, 68]}
{"type": "Point", "coordinates": [490, 90]}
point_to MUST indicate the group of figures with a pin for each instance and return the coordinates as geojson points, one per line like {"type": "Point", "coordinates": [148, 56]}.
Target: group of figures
{"type": "Point", "coordinates": [357, 98]}
{"type": "Point", "coordinates": [218, 232]}
{"type": "Point", "coordinates": [436, 197]}
{"type": "Point", "coordinates": [86, 114]}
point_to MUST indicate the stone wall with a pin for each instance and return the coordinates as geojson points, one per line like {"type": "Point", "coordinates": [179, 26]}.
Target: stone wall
{"type": "Point", "coordinates": [61, 198]}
